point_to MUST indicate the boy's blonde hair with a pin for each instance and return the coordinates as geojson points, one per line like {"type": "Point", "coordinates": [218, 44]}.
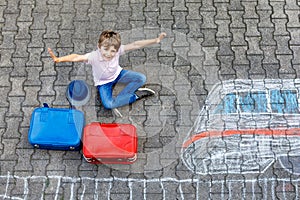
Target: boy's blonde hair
{"type": "Point", "coordinates": [110, 38]}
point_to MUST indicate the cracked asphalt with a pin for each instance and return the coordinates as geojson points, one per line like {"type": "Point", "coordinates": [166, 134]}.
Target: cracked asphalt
{"type": "Point", "coordinates": [207, 41]}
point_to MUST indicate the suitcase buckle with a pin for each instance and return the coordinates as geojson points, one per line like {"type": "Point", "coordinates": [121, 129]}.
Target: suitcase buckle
{"type": "Point", "coordinates": [132, 159]}
{"type": "Point", "coordinates": [88, 159]}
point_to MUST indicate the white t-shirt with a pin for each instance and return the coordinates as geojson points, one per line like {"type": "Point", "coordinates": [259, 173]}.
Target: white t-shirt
{"type": "Point", "coordinates": [104, 71]}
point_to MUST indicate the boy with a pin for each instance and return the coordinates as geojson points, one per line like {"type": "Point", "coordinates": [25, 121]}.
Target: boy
{"type": "Point", "coordinates": [107, 71]}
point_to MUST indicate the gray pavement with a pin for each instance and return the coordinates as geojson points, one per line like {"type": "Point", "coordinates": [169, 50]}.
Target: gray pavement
{"type": "Point", "coordinates": [208, 41]}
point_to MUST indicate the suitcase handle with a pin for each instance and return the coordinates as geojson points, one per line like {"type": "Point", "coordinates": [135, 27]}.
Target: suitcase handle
{"type": "Point", "coordinates": [45, 105]}
{"type": "Point", "coordinates": [45, 113]}
{"type": "Point", "coordinates": [112, 126]}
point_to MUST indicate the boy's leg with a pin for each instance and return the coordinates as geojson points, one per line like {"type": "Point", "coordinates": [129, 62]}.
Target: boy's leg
{"type": "Point", "coordinates": [107, 98]}
{"type": "Point", "coordinates": [105, 92]}
{"type": "Point", "coordinates": [132, 80]}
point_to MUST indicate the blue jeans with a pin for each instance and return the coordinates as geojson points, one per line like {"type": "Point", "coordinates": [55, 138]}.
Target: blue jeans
{"type": "Point", "coordinates": [132, 80]}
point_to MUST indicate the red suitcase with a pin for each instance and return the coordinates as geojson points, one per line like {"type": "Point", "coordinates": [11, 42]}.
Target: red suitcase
{"type": "Point", "coordinates": [109, 143]}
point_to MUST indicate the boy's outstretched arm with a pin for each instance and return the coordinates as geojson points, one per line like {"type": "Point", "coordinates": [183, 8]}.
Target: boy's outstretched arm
{"type": "Point", "coordinates": [67, 58]}
{"type": "Point", "coordinates": [143, 43]}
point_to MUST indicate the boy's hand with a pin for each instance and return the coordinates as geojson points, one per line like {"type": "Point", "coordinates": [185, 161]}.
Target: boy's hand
{"type": "Point", "coordinates": [160, 37]}
{"type": "Point", "coordinates": [55, 59]}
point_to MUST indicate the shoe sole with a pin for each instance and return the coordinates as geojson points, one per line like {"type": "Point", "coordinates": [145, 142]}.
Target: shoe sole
{"type": "Point", "coordinates": [117, 112]}
{"type": "Point", "coordinates": [146, 89]}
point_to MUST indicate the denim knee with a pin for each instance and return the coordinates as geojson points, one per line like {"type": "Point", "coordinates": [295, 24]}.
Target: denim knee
{"type": "Point", "coordinates": [107, 105]}
{"type": "Point", "coordinates": [142, 79]}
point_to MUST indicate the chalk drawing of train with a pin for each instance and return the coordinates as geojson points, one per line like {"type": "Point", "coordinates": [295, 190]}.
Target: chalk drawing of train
{"type": "Point", "coordinates": [245, 126]}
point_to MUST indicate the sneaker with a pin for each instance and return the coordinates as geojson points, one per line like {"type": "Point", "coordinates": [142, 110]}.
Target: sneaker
{"type": "Point", "coordinates": [144, 92]}
{"type": "Point", "coordinates": [117, 112]}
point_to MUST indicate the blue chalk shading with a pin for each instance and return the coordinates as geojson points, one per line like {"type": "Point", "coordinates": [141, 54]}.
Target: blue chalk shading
{"type": "Point", "coordinates": [246, 103]}
{"type": "Point", "coordinates": [227, 106]}
{"type": "Point", "coordinates": [280, 101]}
{"type": "Point", "coordinates": [291, 104]}
{"type": "Point", "coordinates": [276, 101]}
{"type": "Point", "coordinates": [260, 102]}
{"type": "Point", "coordinates": [229, 103]}
{"type": "Point", "coordinates": [284, 101]}
{"type": "Point", "coordinates": [255, 102]}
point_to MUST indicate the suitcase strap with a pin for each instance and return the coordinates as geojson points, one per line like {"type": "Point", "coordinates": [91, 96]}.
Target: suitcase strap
{"type": "Point", "coordinates": [45, 115]}
{"type": "Point", "coordinates": [110, 160]}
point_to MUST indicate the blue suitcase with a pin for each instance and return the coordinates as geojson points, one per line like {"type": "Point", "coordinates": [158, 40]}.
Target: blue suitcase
{"type": "Point", "coordinates": [56, 128]}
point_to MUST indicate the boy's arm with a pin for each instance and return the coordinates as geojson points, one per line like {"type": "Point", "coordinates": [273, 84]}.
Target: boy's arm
{"type": "Point", "coordinates": [142, 43]}
{"type": "Point", "coordinates": [68, 58]}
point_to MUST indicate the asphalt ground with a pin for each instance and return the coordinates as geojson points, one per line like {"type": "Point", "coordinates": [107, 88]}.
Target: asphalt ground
{"type": "Point", "coordinates": [207, 42]}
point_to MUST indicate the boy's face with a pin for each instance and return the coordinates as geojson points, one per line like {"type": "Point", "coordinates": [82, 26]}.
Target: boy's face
{"type": "Point", "coordinates": [108, 52]}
